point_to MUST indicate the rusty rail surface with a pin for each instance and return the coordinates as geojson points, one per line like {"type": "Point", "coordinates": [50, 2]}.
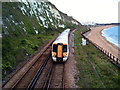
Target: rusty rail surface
{"type": "Point", "coordinates": [52, 77]}
{"type": "Point", "coordinates": [36, 77]}
{"type": "Point", "coordinates": [113, 59]}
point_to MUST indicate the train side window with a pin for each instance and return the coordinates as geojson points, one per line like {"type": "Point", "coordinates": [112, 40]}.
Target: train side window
{"type": "Point", "coordinates": [64, 48]}
{"type": "Point", "coordinates": [54, 48]}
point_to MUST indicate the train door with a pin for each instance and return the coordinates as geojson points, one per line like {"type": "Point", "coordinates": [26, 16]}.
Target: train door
{"type": "Point", "coordinates": [60, 52]}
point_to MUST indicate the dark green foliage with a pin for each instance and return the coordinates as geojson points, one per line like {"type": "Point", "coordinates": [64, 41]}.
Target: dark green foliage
{"type": "Point", "coordinates": [21, 21]}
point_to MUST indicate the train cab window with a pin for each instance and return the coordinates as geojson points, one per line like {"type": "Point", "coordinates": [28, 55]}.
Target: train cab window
{"type": "Point", "coordinates": [64, 48]}
{"type": "Point", "coordinates": [54, 48]}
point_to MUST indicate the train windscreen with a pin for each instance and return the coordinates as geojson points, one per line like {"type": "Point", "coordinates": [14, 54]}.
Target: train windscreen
{"type": "Point", "coordinates": [64, 48]}
{"type": "Point", "coordinates": [54, 48]}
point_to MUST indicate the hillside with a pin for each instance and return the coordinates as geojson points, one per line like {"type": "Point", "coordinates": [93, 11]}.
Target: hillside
{"type": "Point", "coordinates": [26, 27]}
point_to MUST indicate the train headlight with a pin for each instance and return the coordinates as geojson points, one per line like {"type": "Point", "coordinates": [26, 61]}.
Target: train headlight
{"type": "Point", "coordinates": [53, 53]}
{"type": "Point", "coordinates": [65, 54]}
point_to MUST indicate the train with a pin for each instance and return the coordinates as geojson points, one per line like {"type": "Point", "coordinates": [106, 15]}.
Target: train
{"type": "Point", "coordinates": [60, 47]}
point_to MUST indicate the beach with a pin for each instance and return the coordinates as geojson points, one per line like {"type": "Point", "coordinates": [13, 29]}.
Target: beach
{"type": "Point", "coordinates": [95, 36]}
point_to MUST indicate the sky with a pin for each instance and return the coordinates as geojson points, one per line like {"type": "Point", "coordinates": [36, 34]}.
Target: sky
{"type": "Point", "coordinates": [98, 11]}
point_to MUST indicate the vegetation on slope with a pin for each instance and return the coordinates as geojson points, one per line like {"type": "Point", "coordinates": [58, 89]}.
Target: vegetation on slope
{"type": "Point", "coordinates": [95, 69]}
{"type": "Point", "coordinates": [27, 26]}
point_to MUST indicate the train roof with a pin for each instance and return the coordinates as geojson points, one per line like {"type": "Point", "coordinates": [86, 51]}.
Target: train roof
{"type": "Point", "coordinates": [63, 37]}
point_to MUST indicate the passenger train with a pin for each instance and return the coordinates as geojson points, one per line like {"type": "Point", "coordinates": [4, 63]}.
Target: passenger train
{"type": "Point", "coordinates": [60, 47]}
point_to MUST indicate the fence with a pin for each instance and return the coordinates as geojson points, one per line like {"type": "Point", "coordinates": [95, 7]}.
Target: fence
{"type": "Point", "coordinates": [112, 58]}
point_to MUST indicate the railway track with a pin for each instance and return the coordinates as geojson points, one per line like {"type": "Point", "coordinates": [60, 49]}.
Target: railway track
{"type": "Point", "coordinates": [25, 79]}
{"type": "Point", "coordinates": [28, 70]}
{"type": "Point", "coordinates": [40, 72]}
{"type": "Point", "coordinates": [57, 77]}
{"type": "Point", "coordinates": [52, 78]}
{"type": "Point", "coordinates": [49, 75]}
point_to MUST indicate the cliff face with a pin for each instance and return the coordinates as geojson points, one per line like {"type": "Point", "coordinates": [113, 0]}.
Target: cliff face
{"type": "Point", "coordinates": [26, 26]}
{"type": "Point", "coordinates": [33, 17]}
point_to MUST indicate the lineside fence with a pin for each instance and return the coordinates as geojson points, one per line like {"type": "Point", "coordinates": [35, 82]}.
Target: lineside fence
{"type": "Point", "coordinates": [112, 58]}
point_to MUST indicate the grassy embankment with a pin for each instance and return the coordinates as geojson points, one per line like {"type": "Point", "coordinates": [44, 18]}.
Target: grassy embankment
{"type": "Point", "coordinates": [95, 70]}
{"type": "Point", "coordinates": [16, 50]}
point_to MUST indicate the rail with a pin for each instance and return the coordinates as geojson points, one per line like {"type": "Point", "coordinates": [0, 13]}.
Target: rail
{"type": "Point", "coordinates": [36, 59]}
{"type": "Point", "coordinates": [36, 77]}
{"type": "Point", "coordinates": [53, 78]}
{"type": "Point", "coordinates": [112, 58]}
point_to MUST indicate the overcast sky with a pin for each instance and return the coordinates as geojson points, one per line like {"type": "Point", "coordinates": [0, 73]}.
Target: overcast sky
{"type": "Point", "coordinates": [98, 11]}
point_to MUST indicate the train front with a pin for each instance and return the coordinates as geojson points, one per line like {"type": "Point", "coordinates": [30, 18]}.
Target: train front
{"type": "Point", "coordinates": [60, 52]}
{"type": "Point", "coordinates": [60, 48]}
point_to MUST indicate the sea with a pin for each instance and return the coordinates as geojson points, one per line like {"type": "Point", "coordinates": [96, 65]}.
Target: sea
{"type": "Point", "coordinates": [112, 35]}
